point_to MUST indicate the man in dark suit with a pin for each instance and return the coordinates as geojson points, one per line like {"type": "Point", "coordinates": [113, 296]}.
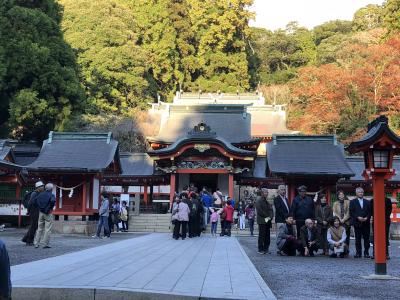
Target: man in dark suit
{"type": "Point", "coordinates": [360, 214]}
{"type": "Point", "coordinates": [281, 206]}
{"type": "Point", "coordinates": [309, 238]}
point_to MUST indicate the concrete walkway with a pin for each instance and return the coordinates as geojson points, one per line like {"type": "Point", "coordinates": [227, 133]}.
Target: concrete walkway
{"type": "Point", "coordinates": [149, 267]}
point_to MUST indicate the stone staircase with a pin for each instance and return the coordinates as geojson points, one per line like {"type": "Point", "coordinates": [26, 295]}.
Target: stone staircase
{"type": "Point", "coordinates": [150, 223]}
{"type": "Point", "coordinates": [162, 223]}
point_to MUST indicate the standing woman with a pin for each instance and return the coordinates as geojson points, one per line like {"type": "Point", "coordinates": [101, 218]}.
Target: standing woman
{"type": "Point", "coordinates": [323, 214]}
{"type": "Point", "coordinates": [341, 209]}
{"type": "Point", "coordinates": [181, 211]}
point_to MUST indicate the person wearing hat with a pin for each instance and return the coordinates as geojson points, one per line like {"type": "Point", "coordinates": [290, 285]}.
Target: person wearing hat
{"type": "Point", "coordinates": [302, 208]}
{"type": "Point", "coordinates": [45, 202]}
{"type": "Point", "coordinates": [33, 212]}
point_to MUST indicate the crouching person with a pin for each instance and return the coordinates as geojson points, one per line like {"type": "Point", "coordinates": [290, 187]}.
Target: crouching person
{"type": "Point", "coordinates": [309, 238]}
{"type": "Point", "coordinates": [336, 237]}
{"type": "Point", "coordinates": [286, 240]}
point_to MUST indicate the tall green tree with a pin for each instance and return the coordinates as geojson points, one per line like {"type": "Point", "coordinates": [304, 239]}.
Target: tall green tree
{"type": "Point", "coordinates": [39, 86]}
{"type": "Point", "coordinates": [392, 15]}
{"type": "Point", "coordinates": [114, 68]}
{"type": "Point", "coordinates": [368, 17]}
{"type": "Point", "coordinates": [222, 32]}
{"type": "Point", "coordinates": [165, 34]}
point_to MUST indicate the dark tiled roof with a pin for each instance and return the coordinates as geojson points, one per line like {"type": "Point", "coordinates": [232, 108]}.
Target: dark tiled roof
{"type": "Point", "coordinates": [292, 155]}
{"type": "Point", "coordinates": [82, 152]}
{"type": "Point", "coordinates": [207, 136]}
{"type": "Point", "coordinates": [136, 164]}
{"type": "Point", "coordinates": [230, 122]}
{"type": "Point", "coordinates": [356, 163]}
{"type": "Point", "coordinates": [9, 165]}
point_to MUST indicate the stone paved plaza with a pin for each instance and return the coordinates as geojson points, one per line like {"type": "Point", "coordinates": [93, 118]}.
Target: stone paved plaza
{"type": "Point", "coordinates": [149, 266]}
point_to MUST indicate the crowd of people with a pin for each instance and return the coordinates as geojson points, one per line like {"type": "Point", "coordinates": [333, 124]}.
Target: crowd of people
{"type": "Point", "coordinates": [311, 225]}
{"type": "Point", "coordinates": [192, 211]}
{"type": "Point", "coordinates": [114, 217]}
{"type": "Point", "coordinates": [305, 226]}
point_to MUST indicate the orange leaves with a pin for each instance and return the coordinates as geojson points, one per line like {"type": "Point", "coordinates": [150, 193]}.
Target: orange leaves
{"type": "Point", "coordinates": [363, 83]}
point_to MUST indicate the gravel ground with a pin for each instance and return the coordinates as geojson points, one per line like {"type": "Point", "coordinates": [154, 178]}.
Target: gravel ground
{"type": "Point", "coordinates": [60, 243]}
{"type": "Point", "coordinates": [323, 277]}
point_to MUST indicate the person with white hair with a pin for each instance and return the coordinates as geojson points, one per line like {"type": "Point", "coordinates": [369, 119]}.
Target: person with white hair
{"type": "Point", "coordinates": [282, 208]}
{"type": "Point", "coordinates": [45, 201]}
{"type": "Point", "coordinates": [360, 214]}
{"type": "Point", "coordinates": [33, 212]}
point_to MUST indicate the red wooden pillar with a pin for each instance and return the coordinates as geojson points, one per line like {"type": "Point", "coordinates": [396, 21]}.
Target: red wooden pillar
{"type": "Point", "coordinates": [379, 223]}
{"type": "Point", "coordinates": [145, 195]}
{"type": "Point", "coordinates": [84, 192]}
{"type": "Point", "coordinates": [18, 196]}
{"type": "Point", "coordinates": [230, 188]}
{"type": "Point", "coordinates": [172, 186]}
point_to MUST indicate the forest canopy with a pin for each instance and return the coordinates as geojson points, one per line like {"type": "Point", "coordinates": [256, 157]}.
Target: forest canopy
{"type": "Point", "coordinates": [84, 64]}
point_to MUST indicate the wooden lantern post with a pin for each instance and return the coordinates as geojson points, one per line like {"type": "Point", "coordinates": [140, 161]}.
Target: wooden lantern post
{"type": "Point", "coordinates": [379, 146]}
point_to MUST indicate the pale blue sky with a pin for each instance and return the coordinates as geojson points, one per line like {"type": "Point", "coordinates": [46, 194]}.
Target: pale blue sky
{"type": "Point", "coordinates": [274, 14]}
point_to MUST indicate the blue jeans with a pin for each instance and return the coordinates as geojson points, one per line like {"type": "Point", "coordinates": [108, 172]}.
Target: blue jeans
{"type": "Point", "coordinates": [214, 227]}
{"type": "Point", "coordinates": [5, 274]}
{"type": "Point", "coordinates": [103, 221]}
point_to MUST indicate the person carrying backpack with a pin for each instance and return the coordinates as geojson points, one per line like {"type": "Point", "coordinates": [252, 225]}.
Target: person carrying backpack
{"type": "Point", "coordinates": [45, 202]}
{"type": "Point", "coordinates": [33, 213]}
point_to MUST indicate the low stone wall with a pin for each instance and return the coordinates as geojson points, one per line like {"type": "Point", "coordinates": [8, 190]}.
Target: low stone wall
{"type": "Point", "coordinates": [395, 231]}
{"type": "Point", "coordinates": [78, 227]}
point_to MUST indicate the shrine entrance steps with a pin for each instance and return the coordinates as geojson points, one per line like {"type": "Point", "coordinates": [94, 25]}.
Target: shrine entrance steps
{"type": "Point", "coordinates": [162, 223]}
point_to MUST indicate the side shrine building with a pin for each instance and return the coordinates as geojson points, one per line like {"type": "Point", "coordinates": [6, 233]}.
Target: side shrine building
{"type": "Point", "coordinates": [230, 142]}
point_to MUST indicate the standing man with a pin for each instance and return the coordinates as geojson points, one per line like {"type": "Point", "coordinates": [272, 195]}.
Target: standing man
{"type": "Point", "coordinates": [5, 273]}
{"type": "Point", "coordinates": [302, 208]}
{"type": "Point", "coordinates": [33, 212]}
{"type": "Point", "coordinates": [360, 214]}
{"type": "Point", "coordinates": [103, 216]}
{"type": "Point", "coordinates": [281, 207]}
{"type": "Point", "coordinates": [265, 214]}
{"type": "Point", "coordinates": [45, 201]}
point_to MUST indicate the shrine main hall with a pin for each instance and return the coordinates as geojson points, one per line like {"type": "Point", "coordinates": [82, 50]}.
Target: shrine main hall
{"type": "Point", "coordinates": [232, 142]}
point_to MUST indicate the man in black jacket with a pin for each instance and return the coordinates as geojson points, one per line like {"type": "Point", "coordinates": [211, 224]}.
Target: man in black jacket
{"type": "Point", "coordinates": [33, 212]}
{"type": "Point", "coordinates": [281, 206]}
{"type": "Point", "coordinates": [360, 214]}
{"type": "Point", "coordinates": [302, 208]}
{"type": "Point", "coordinates": [265, 214]}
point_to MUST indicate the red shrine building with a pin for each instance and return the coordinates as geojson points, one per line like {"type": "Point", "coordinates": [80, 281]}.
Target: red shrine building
{"type": "Point", "coordinates": [230, 142]}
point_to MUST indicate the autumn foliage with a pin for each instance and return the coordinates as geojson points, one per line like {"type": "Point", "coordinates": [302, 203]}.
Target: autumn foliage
{"type": "Point", "coordinates": [343, 96]}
